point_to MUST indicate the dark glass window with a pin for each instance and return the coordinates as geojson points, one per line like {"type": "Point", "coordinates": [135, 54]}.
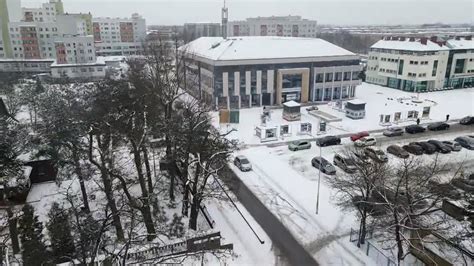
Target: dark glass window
{"type": "Point", "coordinates": [319, 78]}
{"type": "Point", "coordinates": [435, 68]}
{"type": "Point", "coordinates": [400, 67]}
{"type": "Point", "coordinates": [459, 68]}
{"type": "Point", "coordinates": [328, 77]}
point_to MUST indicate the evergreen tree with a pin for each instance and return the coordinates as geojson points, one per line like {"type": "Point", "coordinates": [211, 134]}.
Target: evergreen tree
{"type": "Point", "coordinates": [62, 243]}
{"type": "Point", "coordinates": [33, 249]}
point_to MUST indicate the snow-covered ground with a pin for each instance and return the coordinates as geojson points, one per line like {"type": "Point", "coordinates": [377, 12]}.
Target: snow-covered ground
{"type": "Point", "coordinates": [379, 100]}
{"type": "Point", "coordinates": [286, 183]}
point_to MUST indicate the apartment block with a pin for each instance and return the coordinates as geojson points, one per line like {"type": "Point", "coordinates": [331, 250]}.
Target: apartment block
{"type": "Point", "coordinates": [119, 36]}
{"type": "Point", "coordinates": [421, 64]}
{"type": "Point", "coordinates": [193, 31]}
{"type": "Point", "coordinates": [286, 26]}
{"type": "Point", "coordinates": [46, 13]}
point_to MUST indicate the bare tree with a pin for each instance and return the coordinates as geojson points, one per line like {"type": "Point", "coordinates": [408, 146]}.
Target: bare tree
{"type": "Point", "coordinates": [355, 190]}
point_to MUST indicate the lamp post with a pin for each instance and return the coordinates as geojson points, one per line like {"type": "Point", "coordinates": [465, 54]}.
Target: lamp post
{"type": "Point", "coordinates": [319, 179]}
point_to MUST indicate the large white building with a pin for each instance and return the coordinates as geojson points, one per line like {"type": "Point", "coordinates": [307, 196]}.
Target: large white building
{"type": "Point", "coordinates": [119, 36]}
{"type": "Point", "coordinates": [421, 64]}
{"type": "Point", "coordinates": [289, 26]}
{"type": "Point", "coordinates": [46, 13]}
{"type": "Point", "coordinates": [240, 72]}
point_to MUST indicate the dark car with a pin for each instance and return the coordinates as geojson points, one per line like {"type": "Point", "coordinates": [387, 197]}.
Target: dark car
{"type": "Point", "coordinates": [346, 164]}
{"type": "Point", "coordinates": [427, 147]}
{"type": "Point", "coordinates": [438, 126]}
{"type": "Point", "coordinates": [323, 164]}
{"type": "Point", "coordinates": [328, 141]}
{"type": "Point", "coordinates": [413, 129]}
{"type": "Point", "coordinates": [440, 147]}
{"type": "Point", "coordinates": [413, 149]}
{"type": "Point", "coordinates": [376, 154]}
{"type": "Point", "coordinates": [466, 142]}
{"type": "Point", "coordinates": [468, 120]}
{"type": "Point", "coordinates": [398, 151]}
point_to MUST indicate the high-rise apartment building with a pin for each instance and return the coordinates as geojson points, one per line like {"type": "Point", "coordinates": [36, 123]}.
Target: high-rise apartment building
{"type": "Point", "coordinates": [119, 36]}
{"type": "Point", "coordinates": [193, 31]}
{"type": "Point", "coordinates": [288, 26]}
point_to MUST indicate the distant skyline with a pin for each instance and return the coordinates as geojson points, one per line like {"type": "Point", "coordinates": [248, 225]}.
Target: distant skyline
{"type": "Point", "coordinates": [338, 12]}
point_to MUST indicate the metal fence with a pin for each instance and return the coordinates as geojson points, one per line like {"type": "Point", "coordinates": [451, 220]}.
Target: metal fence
{"type": "Point", "coordinates": [370, 249]}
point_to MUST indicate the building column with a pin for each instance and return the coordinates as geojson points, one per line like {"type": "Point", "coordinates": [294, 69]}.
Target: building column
{"type": "Point", "coordinates": [225, 87]}
{"type": "Point", "coordinates": [270, 85]}
{"type": "Point", "coordinates": [237, 86]}
{"type": "Point", "coordinates": [248, 84]}
{"type": "Point", "coordinates": [259, 86]}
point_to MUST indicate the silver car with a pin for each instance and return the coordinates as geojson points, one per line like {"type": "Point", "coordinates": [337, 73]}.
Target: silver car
{"type": "Point", "coordinates": [393, 131]}
{"type": "Point", "coordinates": [454, 146]}
{"type": "Point", "coordinates": [323, 164]}
{"type": "Point", "coordinates": [299, 145]}
{"type": "Point", "coordinates": [242, 163]}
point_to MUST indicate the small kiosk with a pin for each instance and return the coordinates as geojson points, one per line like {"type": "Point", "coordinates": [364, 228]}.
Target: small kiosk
{"type": "Point", "coordinates": [355, 109]}
{"type": "Point", "coordinates": [292, 111]}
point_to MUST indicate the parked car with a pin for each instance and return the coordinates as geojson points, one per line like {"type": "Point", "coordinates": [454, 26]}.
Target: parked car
{"type": "Point", "coordinates": [365, 141]}
{"type": "Point", "coordinates": [323, 164]}
{"type": "Point", "coordinates": [242, 163]}
{"type": "Point", "coordinates": [393, 131]}
{"type": "Point", "coordinates": [359, 135]}
{"type": "Point", "coordinates": [328, 141]}
{"type": "Point", "coordinates": [438, 126]}
{"type": "Point", "coordinates": [454, 146]}
{"type": "Point", "coordinates": [398, 151]}
{"type": "Point", "coordinates": [346, 164]}
{"type": "Point", "coordinates": [465, 142]}
{"type": "Point", "coordinates": [440, 147]}
{"type": "Point", "coordinates": [361, 156]}
{"type": "Point", "coordinates": [413, 129]}
{"type": "Point", "coordinates": [413, 149]}
{"type": "Point", "coordinates": [299, 145]}
{"type": "Point", "coordinates": [376, 154]}
{"type": "Point", "coordinates": [312, 108]}
{"type": "Point", "coordinates": [427, 147]}
{"type": "Point", "coordinates": [468, 120]}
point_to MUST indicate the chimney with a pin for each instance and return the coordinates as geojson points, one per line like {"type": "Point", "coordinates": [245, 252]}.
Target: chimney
{"type": "Point", "coordinates": [434, 38]}
{"type": "Point", "coordinates": [412, 39]}
{"type": "Point", "coordinates": [468, 38]}
{"type": "Point", "coordinates": [458, 38]}
{"type": "Point", "coordinates": [402, 39]}
{"type": "Point", "coordinates": [424, 40]}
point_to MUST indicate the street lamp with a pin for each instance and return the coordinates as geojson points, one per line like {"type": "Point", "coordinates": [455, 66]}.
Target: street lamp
{"type": "Point", "coordinates": [319, 178]}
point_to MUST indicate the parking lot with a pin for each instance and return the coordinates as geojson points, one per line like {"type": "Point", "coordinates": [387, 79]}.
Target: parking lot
{"type": "Point", "coordinates": [286, 183]}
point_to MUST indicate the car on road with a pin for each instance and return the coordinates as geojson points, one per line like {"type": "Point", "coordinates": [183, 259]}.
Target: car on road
{"type": "Point", "coordinates": [346, 164]}
{"type": "Point", "coordinates": [468, 120]}
{"type": "Point", "coordinates": [465, 142]}
{"type": "Point", "coordinates": [299, 145]}
{"type": "Point", "coordinates": [328, 141]}
{"type": "Point", "coordinates": [440, 147]}
{"type": "Point", "coordinates": [242, 163]}
{"type": "Point", "coordinates": [359, 135]}
{"type": "Point", "coordinates": [393, 131]}
{"type": "Point", "coordinates": [398, 151]}
{"type": "Point", "coordinates": [413, 149]}
{"type": "Point", "coordinates": [427, 147]}
{"type": "Point", "coordinates": [438, 126]}
{"type": "Point", "coordinates": [414, 129]}
{"type": "Point", "coordinates": [376, 154]}
{"type": "Point", "coordinates": [324, 165]}
{"type": "Point", "coordinates": [365, 142]}
{"type": "Point", "coordinates": [454, 146]}
{"type": "Point", "coordinates": [312, 108]}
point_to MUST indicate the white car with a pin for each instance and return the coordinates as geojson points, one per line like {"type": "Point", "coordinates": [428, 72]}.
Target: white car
{"type": "Point", "coordinates": [365, 142]}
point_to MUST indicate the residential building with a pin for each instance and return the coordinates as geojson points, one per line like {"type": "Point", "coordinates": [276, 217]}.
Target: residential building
{"type": "Point", "coordinates": [192, 31]}
{"type": "Point", "coordinates": [32, 40]}
{"type": "Point", "coordinates": [75, 58]}
{"type": "Point", "coordinates": [253, 71]}
{"type": "Point", "coordinates": [75, 24]}
{"type": "Point", "coordinates": [10, 11]}
{"type": "Point", "coordinates": [46, 13]}
{"type": "Point", "coordinates": [119, 36]}
{"type": "Point", "coordinates": [288, 26]}
{"type": "Point", "coordinates": [421, 64]}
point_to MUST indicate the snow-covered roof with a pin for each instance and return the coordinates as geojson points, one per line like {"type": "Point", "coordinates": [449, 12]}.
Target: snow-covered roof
{"type": "Point", "coordinates": [460, 44]}
{"type": "Point", "coordinates": [291, 104]}
{"type": "Point", "coordinates": [262, 47]}
{"type": "Point", "coordinates": [409, 45]}
{"type": "Point", "coordinates": [100, 61]}
{"type": "Point", "coordinates": [356, 101]}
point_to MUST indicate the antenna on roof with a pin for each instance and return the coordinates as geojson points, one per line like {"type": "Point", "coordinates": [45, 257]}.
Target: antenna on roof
{"type": "Point", "coordinates": [225, 17]}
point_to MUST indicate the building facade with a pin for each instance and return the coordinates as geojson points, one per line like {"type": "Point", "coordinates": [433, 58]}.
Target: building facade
{"type": "Point", "coordinates": [119, 36]}
{"type": "Point", "coordinates": [287, 26]}
{"type": "Point", "coordinates": [251, 71]}
{"type": "Point", "coordinates": [46, 13]}
{"type": "Point", "coordinates": [192, 31]}
{"type": "Point", "coordinates": [421, 64]}
{"type": "Point", "coordinates": [75, 58]}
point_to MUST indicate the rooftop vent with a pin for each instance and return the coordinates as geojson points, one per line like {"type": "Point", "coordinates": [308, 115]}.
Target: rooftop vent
{"type": "Point", "coordinates": [424, 40]}
{"type": "Point", "coordinates": [458, 38]}
{"type": "Point", "coordinates": [434, 38]}
{"type": "Point", "coordinates": [402, 38]}
{"type": "Point", "coordinates": [412, 39]}
{"type": "Point", "coordinates": [468, 38]}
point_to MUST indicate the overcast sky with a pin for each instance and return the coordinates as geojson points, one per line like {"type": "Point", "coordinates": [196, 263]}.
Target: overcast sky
{"type": "Point", "coordinates": [356, 12]}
